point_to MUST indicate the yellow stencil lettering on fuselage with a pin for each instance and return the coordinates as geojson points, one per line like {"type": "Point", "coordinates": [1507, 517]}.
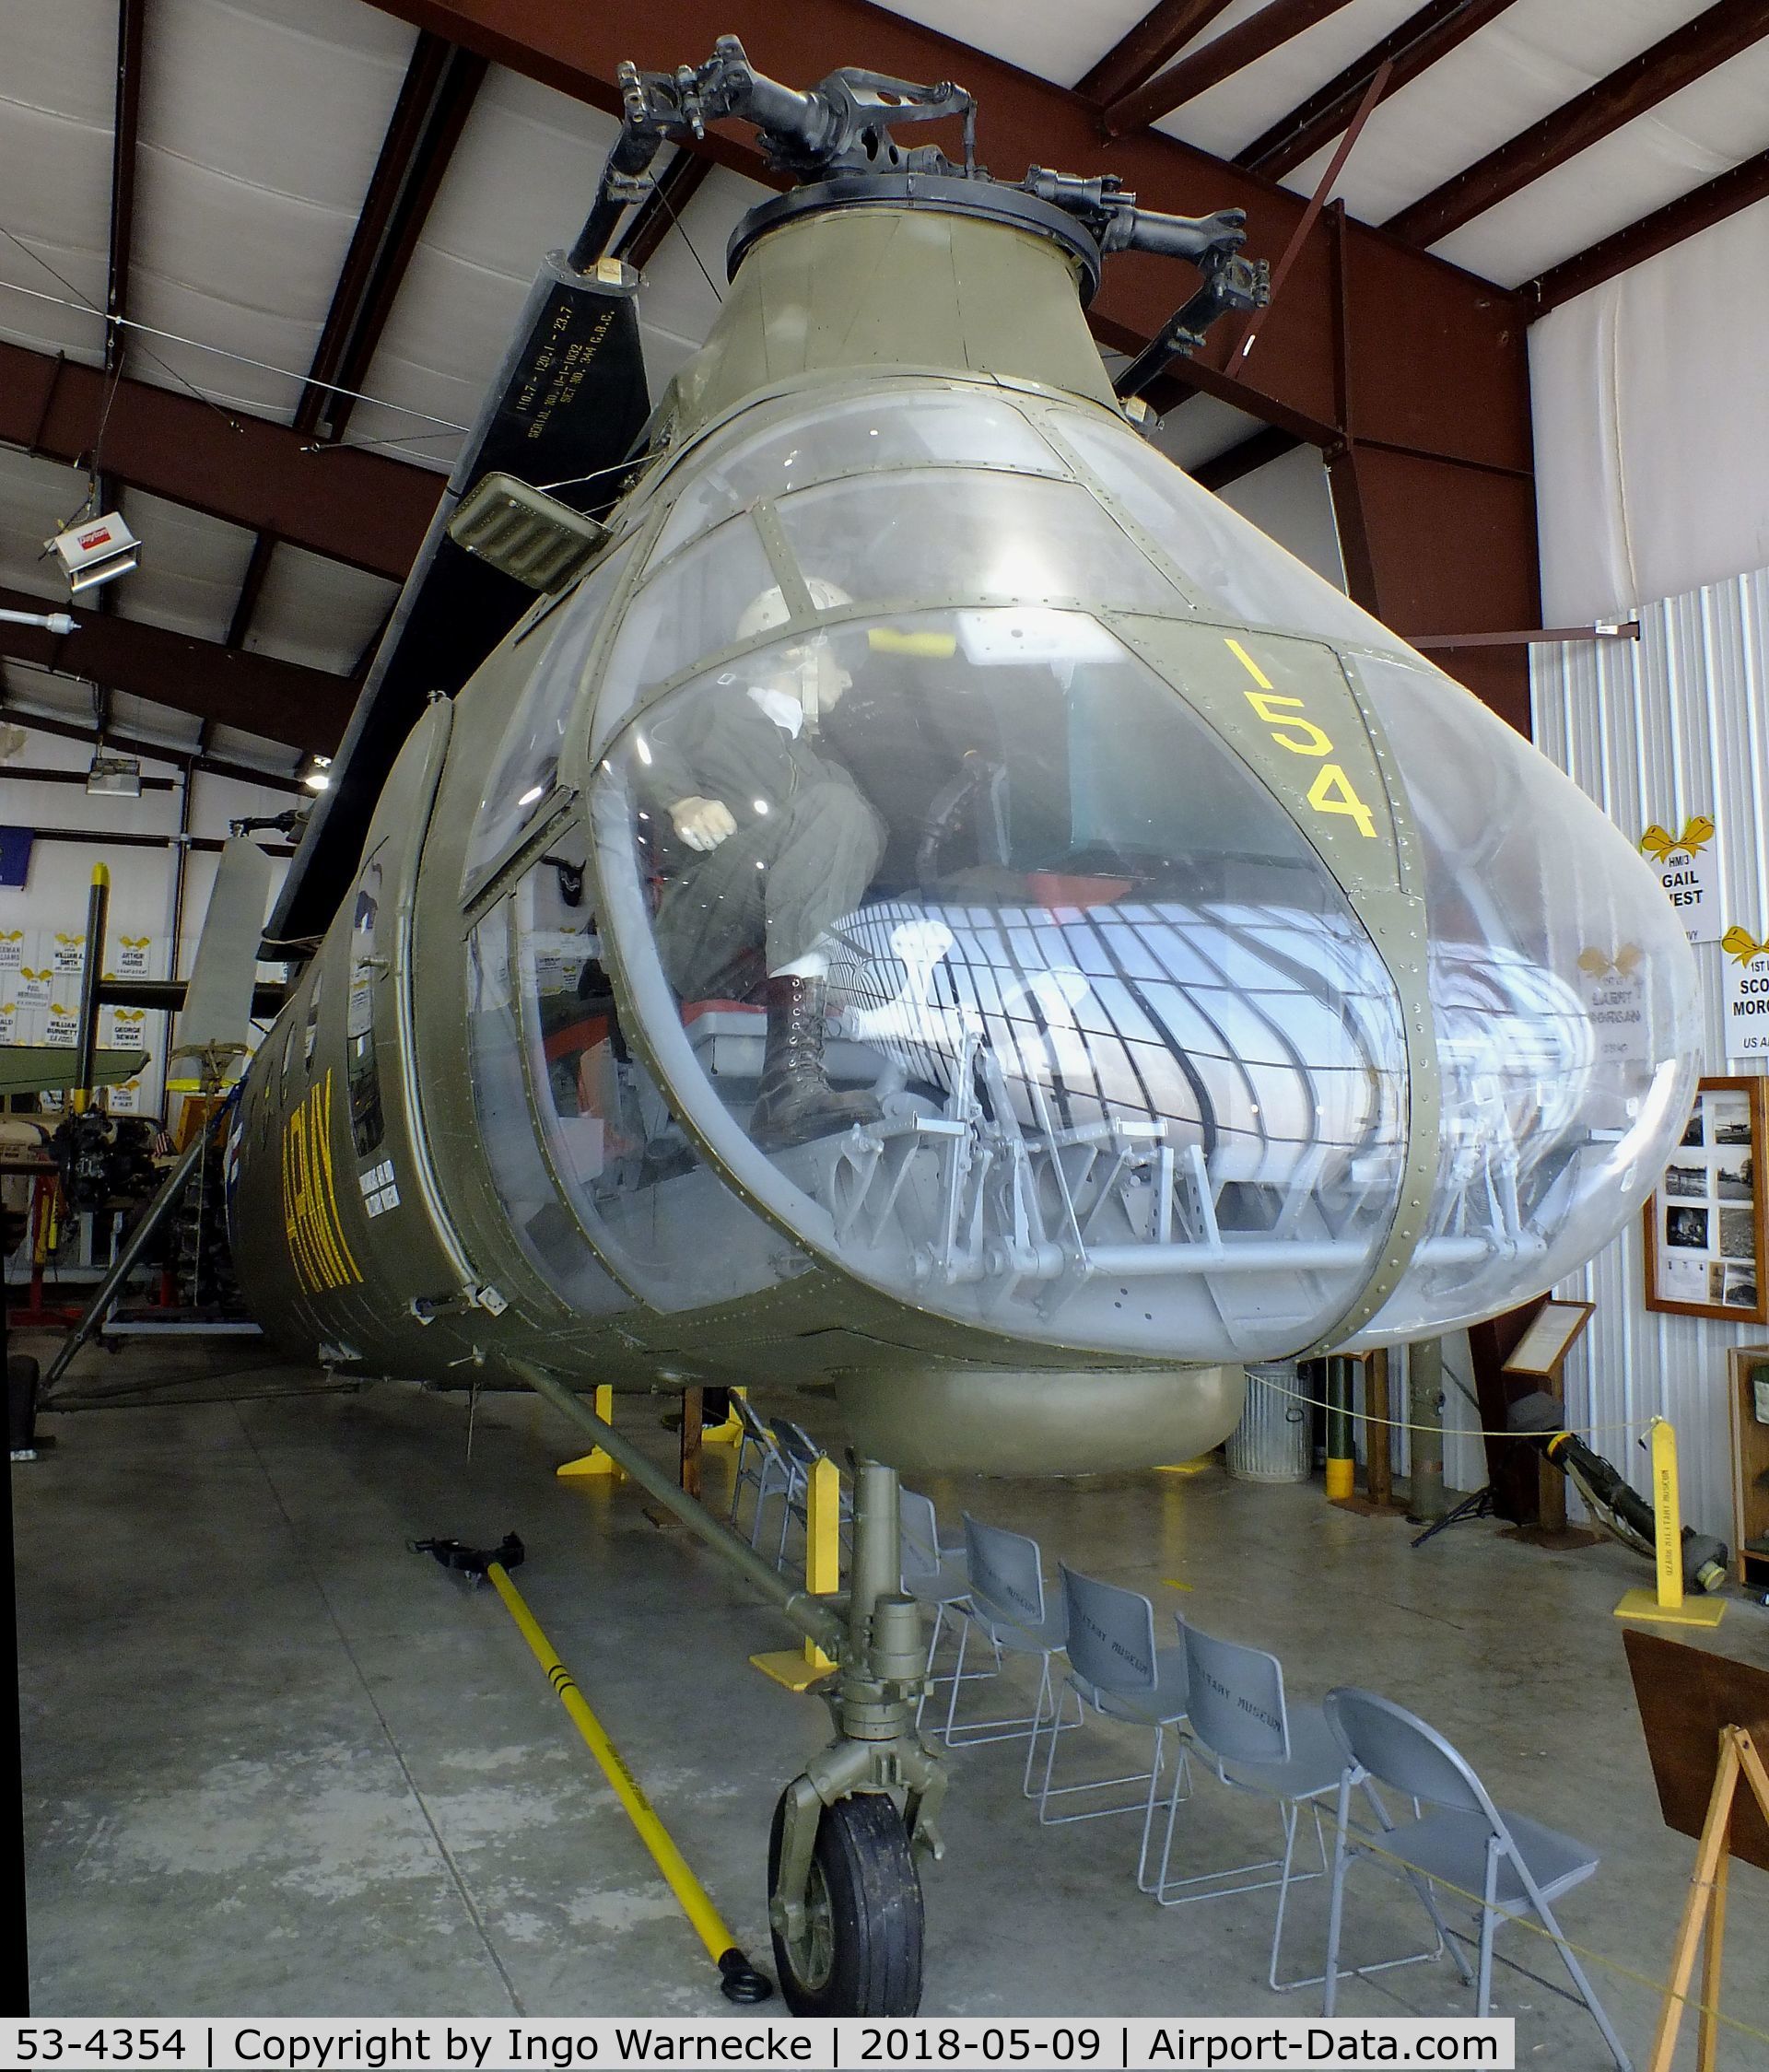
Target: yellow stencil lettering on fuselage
{"type": "Point", "coordinates": [310, 1221]}
{"type": "Point", "coordinates": [1332, 790]}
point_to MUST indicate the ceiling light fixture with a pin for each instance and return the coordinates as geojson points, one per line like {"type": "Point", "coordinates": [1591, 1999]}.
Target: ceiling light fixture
{"type": "Point", "coordinates": [96, 551]}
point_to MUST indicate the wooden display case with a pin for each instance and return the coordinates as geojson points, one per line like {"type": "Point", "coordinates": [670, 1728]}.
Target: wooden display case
{"type": "Point", "coordinates": [1751, 1464]}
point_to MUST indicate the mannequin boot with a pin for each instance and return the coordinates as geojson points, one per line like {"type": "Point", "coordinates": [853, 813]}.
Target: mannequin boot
{"type": "Point", "coordinates": [795, 1102]}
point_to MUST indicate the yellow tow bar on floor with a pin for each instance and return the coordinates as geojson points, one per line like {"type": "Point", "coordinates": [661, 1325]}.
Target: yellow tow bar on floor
{"type": "Point", "coordinates": [739, 1979]}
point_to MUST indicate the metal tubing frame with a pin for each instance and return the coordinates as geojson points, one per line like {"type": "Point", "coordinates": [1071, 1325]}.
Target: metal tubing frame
{"type": "Point", "coordinates": [97, 917]}
{"type": "Point", "coordinates": [92, 1315]}
{"type": "Point", "coordinates": [818, 1622]}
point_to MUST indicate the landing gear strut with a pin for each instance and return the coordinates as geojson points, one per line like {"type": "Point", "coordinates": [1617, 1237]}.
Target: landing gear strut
{"type": "Point", "coordinates": [843, 1900]}
{"type": "Point", "coordinates": [844, 1896]}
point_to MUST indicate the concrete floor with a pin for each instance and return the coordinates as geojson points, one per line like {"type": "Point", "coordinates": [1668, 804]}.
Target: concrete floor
{"type": "Point", "coordinates": [276, 1763]}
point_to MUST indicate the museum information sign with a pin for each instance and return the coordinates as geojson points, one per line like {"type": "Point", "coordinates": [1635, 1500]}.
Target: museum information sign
{"type": "Point", "coordinates": [1687, 868]}
{"type": "Point", "coordinates": [1747, 994]}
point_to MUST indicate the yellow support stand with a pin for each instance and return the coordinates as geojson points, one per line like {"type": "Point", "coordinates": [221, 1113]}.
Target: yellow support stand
{"type": "Point", "coordinates": [596, 1462]}
{"type": "Point", "coordinates": [1665, 1604]}
{"type": "Point", "coordinates": [1198, 1467]}
{"type": "Point", "coordinates": [731, 1432]}
{"type": "Point", "coordinates": [799, 1669]}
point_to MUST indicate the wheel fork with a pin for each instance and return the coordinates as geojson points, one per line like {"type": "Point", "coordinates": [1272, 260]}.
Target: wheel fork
{"type": "Point", "coordinates": [873, 1699]}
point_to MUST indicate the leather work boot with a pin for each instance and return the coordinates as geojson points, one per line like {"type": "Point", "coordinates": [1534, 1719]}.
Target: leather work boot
{"type": "Point", "coordinates": [795, 1102]}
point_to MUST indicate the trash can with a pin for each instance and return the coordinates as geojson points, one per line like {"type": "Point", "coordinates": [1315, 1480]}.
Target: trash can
{"type": "Point", "coordinates": [1271, 1442]}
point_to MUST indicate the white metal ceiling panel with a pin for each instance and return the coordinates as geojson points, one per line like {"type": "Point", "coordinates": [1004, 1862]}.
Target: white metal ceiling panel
{"type": "Point", "coordinates": [56, 87]}
{"type": "Point", "coordinates": [191, 567]}
{"type": "Point", "coordinates": [318, 612]}
{"type": "Point", "coordinates": [519, 185]}
{"type": "Point", "coordinates": [1685, 141]}
{"type": "Point", "coordinates": [1528, 61]}
{"type": "Point", "coordinates": [1055, 41]}
{"type": "Point", "coordinates": [260, 122]}
{"type": "Point", "coordinates": [1227, 117]}
{"type": "Point", "coordinates": [38, 498]}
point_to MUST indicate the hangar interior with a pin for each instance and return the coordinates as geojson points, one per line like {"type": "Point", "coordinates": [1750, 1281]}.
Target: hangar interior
{"type": "Point", "coordinates": [261, 262]}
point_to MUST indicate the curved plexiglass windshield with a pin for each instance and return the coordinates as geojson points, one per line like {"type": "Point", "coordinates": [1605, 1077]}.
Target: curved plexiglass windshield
{"type": "Point", "coordinates": [1041, 1010]}
{"type": "Point", "coordinates": [1565, 998]}
{"type": "Point", "coordinates": [972, 950]}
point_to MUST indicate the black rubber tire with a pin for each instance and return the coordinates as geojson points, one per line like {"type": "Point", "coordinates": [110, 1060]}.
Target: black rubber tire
{"type": "Point", "coordinates": [872, 1897]}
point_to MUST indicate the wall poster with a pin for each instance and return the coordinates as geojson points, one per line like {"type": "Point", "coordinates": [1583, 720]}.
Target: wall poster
{"type": "Point", "coordinates": [1705, 1225]}
{"type": "Point", "coordinates": [1687, 866]}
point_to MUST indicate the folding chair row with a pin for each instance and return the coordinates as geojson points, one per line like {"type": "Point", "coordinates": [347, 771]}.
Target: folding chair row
{"type": "Point", "coordinates": [1225, 1703]}
{"type": "Point", "coordinates": [775, 1461]}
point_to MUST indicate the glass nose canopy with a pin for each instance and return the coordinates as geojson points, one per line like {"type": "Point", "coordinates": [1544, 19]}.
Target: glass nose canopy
{"type": "Point", "coordinates": [1077, 1035]}
{"type": "Point", "coordinates": [994, 976]}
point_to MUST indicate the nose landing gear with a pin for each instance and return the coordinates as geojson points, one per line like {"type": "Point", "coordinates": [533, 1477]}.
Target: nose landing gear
{"type": "Point", "coordinates": [844, 1894]}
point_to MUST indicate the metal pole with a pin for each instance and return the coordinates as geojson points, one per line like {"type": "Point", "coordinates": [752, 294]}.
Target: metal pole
{"type": "Point", "coordinates": [97, 914]}
{"type": "Point", "coordinates": [816, 1621]}
{"type": "Point", "coordinates": [1341, 1449]}
{"type": "Point", "coordinates": [1426, 1411]}
{"type": "Point", "coordinates": [1379, 1452]}
{"type": "Point", "coordinates": [742, 1981]}
{"type": "Point", "coordinates": [134, 1246]}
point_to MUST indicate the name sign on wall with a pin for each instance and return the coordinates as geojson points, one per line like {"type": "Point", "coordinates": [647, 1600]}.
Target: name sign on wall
{"type": "Point", "coordinates": [1747, 994]}
{"type": "Point", "coordinates": [1688, 869]}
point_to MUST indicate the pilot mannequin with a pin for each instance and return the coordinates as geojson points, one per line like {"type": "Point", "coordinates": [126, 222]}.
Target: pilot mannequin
{"type": "Point", "coordinates": [773, 844]}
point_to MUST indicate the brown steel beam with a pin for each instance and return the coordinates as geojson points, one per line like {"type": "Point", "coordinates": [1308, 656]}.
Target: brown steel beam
{"type": "Point", "coordinates": [1140, 52]}
{"type": "Point", "coordinates": [1712, 203]}
{"type": "Point", "coordinates": [1450, 317]}
{"type": "Point", "coordinates": [1277, 22]}
{"type": "Point", "coordinates": [353, 506]}
{"type": "Point", "coordinates": [152, 751]}
{"type": "Point", "coordinates": [1262, 447]}
{"type": "Point", "coordinates": [252, 584]}
{"type": "Point", "coordinates": [282, 700]}
{"type": "Point", "coordinates": [1412, 48]}
{"type": "Point", "coordinates": [111, 838]}
{"type": "Point", "coordinates": [124, 130]}
{"type": "Point", "coordinates": [1674, 61]}
{"type": "Point", "coordinates": [20, 773]}
{"type": "Point", "coordinates": [435, 99]}
{"type": "Point", "coordinates": [661, 210]}
{"type": "Point", "coordinates": [1327, 371]}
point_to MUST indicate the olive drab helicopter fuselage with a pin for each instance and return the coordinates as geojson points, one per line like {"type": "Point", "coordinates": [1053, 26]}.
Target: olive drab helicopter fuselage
{"type": "Point", "coordinates": [1114, 957]}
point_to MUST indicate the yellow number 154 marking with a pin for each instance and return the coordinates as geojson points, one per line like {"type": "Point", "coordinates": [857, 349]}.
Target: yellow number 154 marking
{"type": "Point", "coordinates": [1331, 791]}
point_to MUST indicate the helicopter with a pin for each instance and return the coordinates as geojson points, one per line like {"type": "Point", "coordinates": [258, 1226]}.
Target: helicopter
{"type": "Point", "coordinates": [916, 893]}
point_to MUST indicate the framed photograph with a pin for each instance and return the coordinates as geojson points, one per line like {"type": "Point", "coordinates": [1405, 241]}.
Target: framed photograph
{"type": "Point", "coordinates": [1705, 1225]}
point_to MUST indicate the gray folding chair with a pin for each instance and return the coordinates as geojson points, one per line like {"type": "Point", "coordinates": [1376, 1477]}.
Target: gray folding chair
{"type": "Point", "coordinates": [936, 1577]}
{"type": "Point", "coordinates": [1115, 1667]}
{"type": "Point", "coordinates": [761, 1467]}
{"type": "Point", "coordinates": [1005, 1605]}
{"type": "Point", "coordinates": [1516, 1865]}
{"type": "Point", "coordinates": [801, 1453]}
{"type": "Point", "coordinates": [1254, 1742]}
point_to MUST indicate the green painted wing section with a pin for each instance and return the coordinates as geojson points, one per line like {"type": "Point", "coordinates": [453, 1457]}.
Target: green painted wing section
{"type": "Point", "coordinates": [42, 1067]}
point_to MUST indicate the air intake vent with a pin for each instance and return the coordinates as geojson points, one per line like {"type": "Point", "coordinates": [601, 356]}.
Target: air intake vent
{"type": "Point", "coordinates": [525, 533]}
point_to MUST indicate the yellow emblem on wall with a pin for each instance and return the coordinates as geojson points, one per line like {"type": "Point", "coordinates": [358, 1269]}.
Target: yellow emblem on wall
{"type": "Point", "coordinates": [316, 1241]}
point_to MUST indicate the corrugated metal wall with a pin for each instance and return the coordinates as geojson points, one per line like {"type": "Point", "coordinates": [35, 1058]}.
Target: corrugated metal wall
{"type": "Point", "coordinates": [1656, 729]}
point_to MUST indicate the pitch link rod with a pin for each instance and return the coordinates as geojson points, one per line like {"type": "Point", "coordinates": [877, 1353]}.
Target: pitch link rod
{"type": "Point", "coordinates": [813, 1618]}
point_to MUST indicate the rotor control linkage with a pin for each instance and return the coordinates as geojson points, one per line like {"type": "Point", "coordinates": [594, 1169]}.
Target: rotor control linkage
{"type": "Point", "coordinates": [738, 1979]}
{"type": "Point", "coordinates": [842, 127]}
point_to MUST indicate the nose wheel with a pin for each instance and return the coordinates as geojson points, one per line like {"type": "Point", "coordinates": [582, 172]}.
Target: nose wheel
{"type": "Point", "coordinates": [853, 1946]}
